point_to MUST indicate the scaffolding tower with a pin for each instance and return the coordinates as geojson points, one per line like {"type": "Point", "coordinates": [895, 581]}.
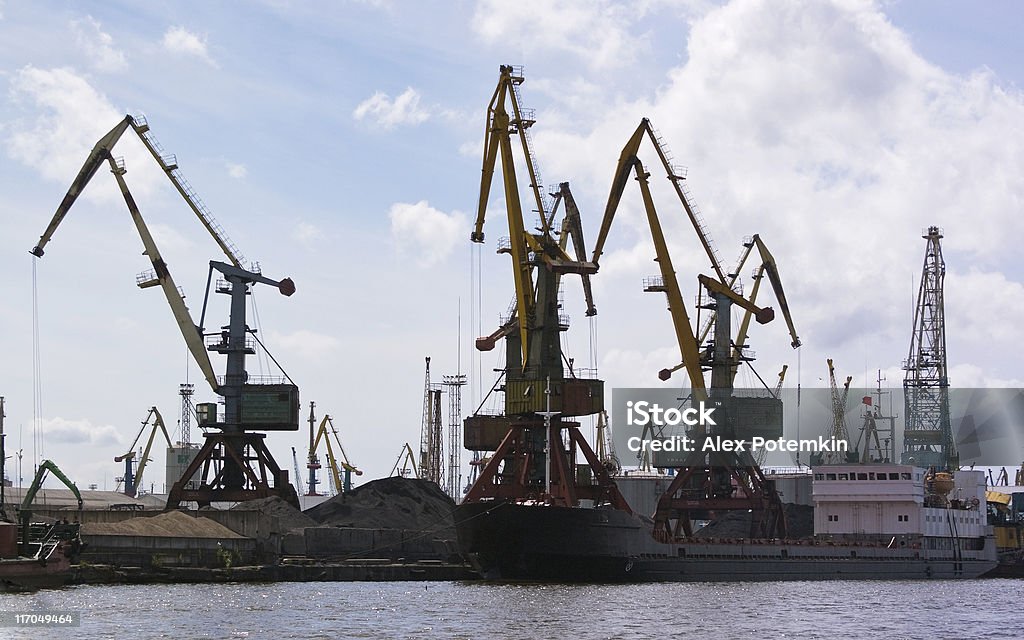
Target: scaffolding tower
{"type": "Point", "coordinates": [431, 432]}
{"type": "Point", "coordinates": [454, 385]}
{"type": "Point", "coordinates": [185, 391]}
{"type": "Point", "coordinates": [928, 436]}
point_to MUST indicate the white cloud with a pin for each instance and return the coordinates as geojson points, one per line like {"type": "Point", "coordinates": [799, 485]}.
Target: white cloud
{"type": "Point", "coordinates": [235, 170]}
{"type": "Point", "coordinates": [388, 113]}
{"type": "Point", "coordinates": [65, 116]}
{"type": "Point", "coordinates": [82, 432]}
{"type": "Point", "coordinates": [98, 45]}
{"type": "Point", "coordinates": [596, 32]}
{"type": "Point", "coordinates": [182, 41]}
{"type": "Point", "coordinates": [429, 233]}
{"type": "Point", "coordinates": [816, 125]}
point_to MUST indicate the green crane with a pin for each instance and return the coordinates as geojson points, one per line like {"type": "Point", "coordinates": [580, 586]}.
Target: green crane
{"type": "Point", "coordinates": [25, 512]}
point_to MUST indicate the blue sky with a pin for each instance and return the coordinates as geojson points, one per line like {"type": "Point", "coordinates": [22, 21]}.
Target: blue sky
{"type": "Point", "coordinates": [339, 144]}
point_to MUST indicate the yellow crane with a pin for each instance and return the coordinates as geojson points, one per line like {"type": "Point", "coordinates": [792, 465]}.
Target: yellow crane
{"type": "Point", "coordinates": [535, 448]}
{"type": "Point", "coordinates": [690, 345]}
{"type": "Point", "coordinates": [502, 127]}
{"type": "Point", "coordinates": [719, 480]}
{"type": "Point", "coordinates": [133, 479]}
{"type": "Point", "coordinates": [340, 467]}
{"type": "Point", "coordinates": [406, 462]}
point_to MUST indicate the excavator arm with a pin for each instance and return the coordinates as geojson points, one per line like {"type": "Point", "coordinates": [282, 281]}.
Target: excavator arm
{"type": "Point", "coordinates": [25, 512]}
{"type": "Point", "coordinates": [48, 466]}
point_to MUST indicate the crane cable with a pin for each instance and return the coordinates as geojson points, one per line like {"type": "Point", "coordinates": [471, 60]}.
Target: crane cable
{"type": "Point", "coordinates": [37, 376]}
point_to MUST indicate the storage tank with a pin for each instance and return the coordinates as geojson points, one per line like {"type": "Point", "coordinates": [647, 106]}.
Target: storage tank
{"type": "Point", "coordinates": [178, 459]}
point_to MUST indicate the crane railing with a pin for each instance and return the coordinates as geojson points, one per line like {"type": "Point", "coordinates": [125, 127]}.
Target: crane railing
{"type": "Point", "coordinates": [169, 163]}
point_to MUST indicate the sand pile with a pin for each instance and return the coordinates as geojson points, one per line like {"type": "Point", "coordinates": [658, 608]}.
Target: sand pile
{"type": "Point", "coordinates": [173, 524]}
{"type": "Point", "coordinates": [288, 516]}
{"type": "Point", "coordinates": [736, 524]}
{"type": "Point", "coordinates": [390, 503]}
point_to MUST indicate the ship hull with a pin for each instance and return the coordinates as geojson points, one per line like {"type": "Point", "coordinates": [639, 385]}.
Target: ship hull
{"type": "Point", "coordinates": [29, 574]}
{"type": "Point", "coordinates": [513, 542]}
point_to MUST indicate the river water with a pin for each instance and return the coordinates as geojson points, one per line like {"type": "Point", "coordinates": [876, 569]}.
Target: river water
{"type": "Point", "coordinates": [835, 609]}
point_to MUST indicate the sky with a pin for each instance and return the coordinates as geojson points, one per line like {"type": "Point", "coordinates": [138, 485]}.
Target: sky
{"type": "Point", "coordinates": [340, 144]}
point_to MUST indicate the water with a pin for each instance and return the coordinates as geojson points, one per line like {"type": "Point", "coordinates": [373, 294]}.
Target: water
{"type": "Point", "coordinates": [876, 610]}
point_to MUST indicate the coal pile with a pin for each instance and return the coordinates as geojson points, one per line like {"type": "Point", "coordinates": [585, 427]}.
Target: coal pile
{"type": "Point", "coordinates": [736, 524]}
{"type": "Point", "coordinates": [288, 516]}
{"type": "Point", "coordinates": [391, 503]}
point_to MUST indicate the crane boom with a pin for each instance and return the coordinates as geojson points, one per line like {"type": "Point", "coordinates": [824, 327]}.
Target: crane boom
{"type": "Point", "coordinates": [772, 269]}
{"type": "Point", "coordinates": [103, 150]}
{"type": "Point", "coordinates": [630, 150]}
{"type": "Point", "coordinates": [192, 333]}
{"type": "Point", "coordinates": [100, 152]}
{"type": "Point", "coordinates": [572, 227]}
{"type": "Point", "coordinates": [629, 162]}
{"type": "Point", "coordinates": [526, 249]}
{"type": "Point", "coordinates": [158, 422]}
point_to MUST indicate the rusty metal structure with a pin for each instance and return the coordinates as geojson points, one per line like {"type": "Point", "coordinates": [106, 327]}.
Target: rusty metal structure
{"type": "Point", "coordinates": [707, 482]}
{"type": "Point", "coordinates": [535, 441]}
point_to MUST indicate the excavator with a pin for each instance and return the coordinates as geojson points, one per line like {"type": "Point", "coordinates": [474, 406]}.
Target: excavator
{"type": "Point", "coordinates": [37, 545]}
{"type": "Point", "coordinates": [133, 478]}
{"type": "Point", "coordinates": [234, 463]}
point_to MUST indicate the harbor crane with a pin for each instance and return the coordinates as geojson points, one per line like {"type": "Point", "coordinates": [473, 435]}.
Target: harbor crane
{"type": "Point", "coordinates": [132, 478]}
{"type": "Point", "coordinates": [707, 482]}
{"type": "Point", "coordinates": [405, 464]}
{"type": "Point", "coordinates": [534, 442]}
{"type": "Point", "coordinates": [234, 463]}
{"type": "Point", "coordinates": [339, 466]}
{"type": "Point", "coordinates": [838, 430]}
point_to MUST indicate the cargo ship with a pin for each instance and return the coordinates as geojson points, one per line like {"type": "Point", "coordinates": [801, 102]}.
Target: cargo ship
{"type": "Point", "coordinates": [534, 512]}
{"type": "Point", "coordinates": [874, 522]}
